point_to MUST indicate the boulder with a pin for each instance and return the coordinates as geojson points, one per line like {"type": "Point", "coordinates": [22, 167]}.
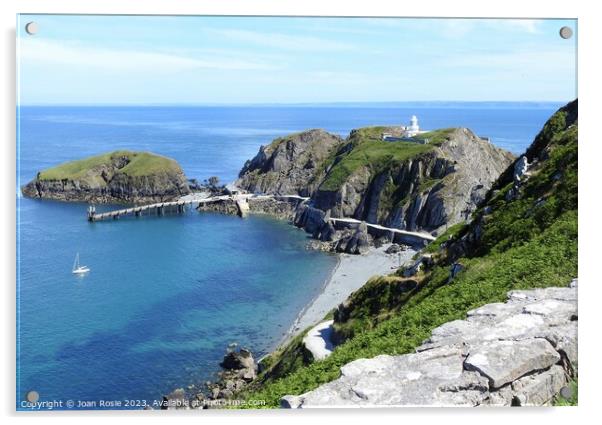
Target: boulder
{"type": "Point", "coordinates": [393, 249]}
{"type": "Point", "coordinates": [492, 359]}
{"type": "Point", "coordinates": [357, 242]}
{"type": "Point", "coordinates": [175, 400]}
{"type": "Point", "coordinates": [243, 359]}
{"type": "Point", "coordinates": [521, 166]}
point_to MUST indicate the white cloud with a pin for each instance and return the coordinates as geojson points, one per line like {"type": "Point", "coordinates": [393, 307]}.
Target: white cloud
{"type": "Point", "coordinates": [458, 28]}
{"type": "Point", "coordinates": [284, 41]}
{"type": "Point", "coordinates": [79, 55]}
{"type": "Point", "coordinates": [527, 25]}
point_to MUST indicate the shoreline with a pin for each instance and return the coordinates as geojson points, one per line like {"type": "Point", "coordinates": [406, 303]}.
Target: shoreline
{"type": "Point", "coordinates": [350, 274]}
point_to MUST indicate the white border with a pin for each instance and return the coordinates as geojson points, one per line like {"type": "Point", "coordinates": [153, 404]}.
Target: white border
{"type": "Point", "coordinates": [590, 156]}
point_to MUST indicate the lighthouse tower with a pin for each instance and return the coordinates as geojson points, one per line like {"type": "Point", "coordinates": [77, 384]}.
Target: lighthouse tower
{"type": "Point", "coordinates": [413, 129]}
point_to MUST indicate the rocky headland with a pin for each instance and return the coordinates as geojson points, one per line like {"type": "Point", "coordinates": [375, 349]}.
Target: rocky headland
{"type": "Point", "coordinates": [427, 184]}
{"type": "Point", "coordinates": [115, 177]}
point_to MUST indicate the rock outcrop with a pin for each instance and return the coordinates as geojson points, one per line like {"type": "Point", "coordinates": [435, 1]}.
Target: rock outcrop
{"type": "Point", "coordinates": [239, 368]}
{"type": "Point", "coordinates": [519, 353]}
{"type": "Point", "coordinates": [116, 177]}
{"type": "Point", "coordinates": [289, 165]}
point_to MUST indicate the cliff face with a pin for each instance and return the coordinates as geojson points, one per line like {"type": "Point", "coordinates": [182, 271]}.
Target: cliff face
{"type": "Point", "coordinates": [427, 191]}
{"type": "Point", "coordinates": [405, 185]}
{"type": "Point", "coordinates": [120, 176]}
{"type": "Point", "coordinates": [289, 165]}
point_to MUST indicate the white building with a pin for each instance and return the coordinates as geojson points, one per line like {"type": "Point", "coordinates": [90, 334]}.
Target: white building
{"type": "Point", "coordinates": [412, 129]}
{"type": "Point", "coordinates": [407, 133]}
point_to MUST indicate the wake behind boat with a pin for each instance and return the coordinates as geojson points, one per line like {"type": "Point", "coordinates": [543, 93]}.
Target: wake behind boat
{"type": "Point", "coordinates": [77, 268]}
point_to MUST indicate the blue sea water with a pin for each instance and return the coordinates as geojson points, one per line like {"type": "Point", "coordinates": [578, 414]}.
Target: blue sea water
{"type": "Point", "coordinates": [167, 295]}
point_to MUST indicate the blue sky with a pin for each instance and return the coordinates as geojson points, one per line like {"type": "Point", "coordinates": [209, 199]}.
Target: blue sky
{"type": "Point", "coordinates": [207, 60]}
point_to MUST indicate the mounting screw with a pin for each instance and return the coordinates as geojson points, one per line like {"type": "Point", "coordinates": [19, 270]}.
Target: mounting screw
{"type": "Point", "coordinates": [32, 396]}
{"type": "Point", "coordinates": [566, 32]}
{"type": "Point", "coordinates": [31, 28]}
{"type": "Point", "coordinates": [566, 392]}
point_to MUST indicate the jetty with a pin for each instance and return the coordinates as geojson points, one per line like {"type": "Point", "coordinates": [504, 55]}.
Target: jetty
{"type": "Point", "coordinates": [160, 208]}
{"type": "Point", "coordinates": [241, 200]}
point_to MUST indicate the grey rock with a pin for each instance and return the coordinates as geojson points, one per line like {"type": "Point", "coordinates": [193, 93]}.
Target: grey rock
{"type": "Point", "coordinates": [492, 359]}
{"type": "Point", "coordinates": [514, 353]}
{"type": "Point", "coordinates": [175, 400]}
{"type": "Point", "coordinates": [521, 167]}
{"type": "Point", "coordinates": [564, 340]}
{"type": "Point", "coordinates": [288, 165]}
{"type": "Point", "coordinates": [243, 359]}
{"type": "Point", "coordinates": [419, 264]}
{"type": "Point", "coordinates": [358, 242]}
{"type": "Point", "coordinates": [539, 389]}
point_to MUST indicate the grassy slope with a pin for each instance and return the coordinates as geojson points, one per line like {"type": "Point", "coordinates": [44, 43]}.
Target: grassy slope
{"type": "Point", "coordinates": [370, 151]}
{"type": "Point", "coordinates": [526, 243]}
{"type": "Point", "coordinates": [141, 164]}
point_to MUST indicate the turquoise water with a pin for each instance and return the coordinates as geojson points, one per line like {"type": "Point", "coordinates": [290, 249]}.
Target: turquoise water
{"type": "Point", "coordinates": [167, 295]}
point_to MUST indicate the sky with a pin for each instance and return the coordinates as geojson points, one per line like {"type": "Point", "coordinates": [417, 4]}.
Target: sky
{"type": "Point", "coordinates": [78, 59]}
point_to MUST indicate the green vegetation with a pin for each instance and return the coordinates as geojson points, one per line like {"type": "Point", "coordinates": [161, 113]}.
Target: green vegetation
{"type": "Point", "coordinates": [135, 164]}
{"type": "Point", "coordinates": [287, 359]}
{"type": "Point", "coordinates": [366, 149]}
{"type": "Point", "coordinates": [527, 241]}
{"type": "Point", "coordinates": [373, 303]}
{"type": "Point", "coordinates": [451, 233]}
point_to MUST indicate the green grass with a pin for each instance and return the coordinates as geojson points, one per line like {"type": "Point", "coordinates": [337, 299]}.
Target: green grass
{"type": "Point", "coordinates": [368, 150]}
{"type": "Point", "coordinates": [141, 164]}
{"type": "Point", "coordinates": [451, 233]}
{"type": "Point", "coordinates": [523, 243]}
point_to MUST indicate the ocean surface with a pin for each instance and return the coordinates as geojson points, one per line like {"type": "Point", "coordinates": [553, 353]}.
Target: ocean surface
{"type": "Point", "coordinates": [165, 296]}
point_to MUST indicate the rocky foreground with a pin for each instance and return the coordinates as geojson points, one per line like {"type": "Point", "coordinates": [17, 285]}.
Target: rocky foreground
{"type": "Point", "coordinates": [518, 353]}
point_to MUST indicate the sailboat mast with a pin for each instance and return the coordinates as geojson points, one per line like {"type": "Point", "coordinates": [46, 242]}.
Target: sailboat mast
{"type": "Point", "coordinates": [76, 262]}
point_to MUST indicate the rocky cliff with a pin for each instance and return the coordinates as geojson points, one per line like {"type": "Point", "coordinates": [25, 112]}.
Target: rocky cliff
{"type": "Point", "coordinates": [116, 177]}
{"type": "Point", "coordinates": [429, 184]}
{"type": "Point", "coordinates": [289, 165]}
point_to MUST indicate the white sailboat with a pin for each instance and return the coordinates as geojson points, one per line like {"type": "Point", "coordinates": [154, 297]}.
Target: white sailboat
{"type": "Point", "coordinates": [77, 269]}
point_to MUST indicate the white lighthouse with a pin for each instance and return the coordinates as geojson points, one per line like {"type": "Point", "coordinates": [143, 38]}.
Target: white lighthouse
{"type": "Point", "coordinates": [413, 129]}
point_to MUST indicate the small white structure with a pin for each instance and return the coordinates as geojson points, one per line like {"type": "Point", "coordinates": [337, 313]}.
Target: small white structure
{"type": "Point", "coordinates": [413, 129]}
{"type": "Point", "coordinates": [407, 133]}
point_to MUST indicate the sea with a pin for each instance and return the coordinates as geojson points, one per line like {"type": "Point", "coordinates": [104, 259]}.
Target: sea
{"type": "Point", "coordinates": [166, 296]}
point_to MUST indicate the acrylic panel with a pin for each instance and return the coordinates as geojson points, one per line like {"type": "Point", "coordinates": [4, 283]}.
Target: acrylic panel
{"type": "Point", "coordinates": [293, 212]}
